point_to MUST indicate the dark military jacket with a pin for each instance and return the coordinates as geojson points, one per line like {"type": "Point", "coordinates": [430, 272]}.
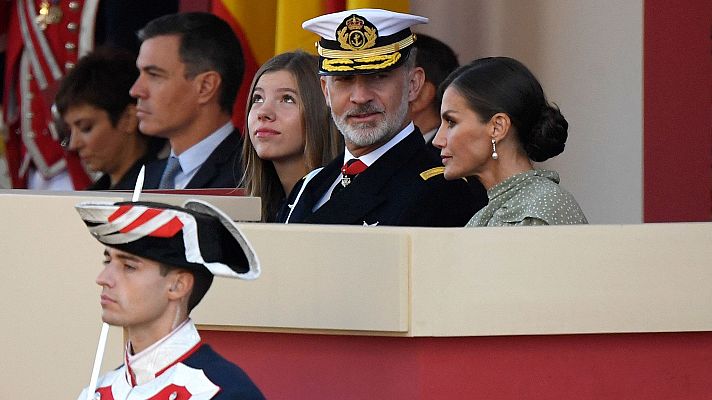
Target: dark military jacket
{"type": "Point", "coordinates": [404, 187]}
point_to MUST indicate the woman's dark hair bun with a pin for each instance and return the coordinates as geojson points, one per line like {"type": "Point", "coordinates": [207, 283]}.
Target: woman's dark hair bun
{"type": "Point", "coordinates": [548, 137]}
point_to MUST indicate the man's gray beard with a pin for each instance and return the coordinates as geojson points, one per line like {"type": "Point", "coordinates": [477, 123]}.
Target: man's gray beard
{"type": "Point", "coordinates": [366, 133]}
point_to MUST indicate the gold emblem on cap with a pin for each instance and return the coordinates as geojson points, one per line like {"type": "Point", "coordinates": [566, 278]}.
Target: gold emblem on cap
{"type": "Point", "coordinates": [356, 35]}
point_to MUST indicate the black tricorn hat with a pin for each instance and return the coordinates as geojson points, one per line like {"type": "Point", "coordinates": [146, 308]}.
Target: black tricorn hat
{"type": "Point", "coordinates": [197, 236]}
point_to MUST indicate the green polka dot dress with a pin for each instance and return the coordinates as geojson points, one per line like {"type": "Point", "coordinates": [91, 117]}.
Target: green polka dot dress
{"type": "Point", "coordinates": [530, 198]}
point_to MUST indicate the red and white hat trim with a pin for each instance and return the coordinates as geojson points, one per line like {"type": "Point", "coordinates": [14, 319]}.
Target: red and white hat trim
{"type": "Point", "coordinates": [129, 222]}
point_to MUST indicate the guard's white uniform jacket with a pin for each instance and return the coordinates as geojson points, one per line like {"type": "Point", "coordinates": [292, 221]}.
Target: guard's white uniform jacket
{"type": "Point", "coordinates": [176, 367]}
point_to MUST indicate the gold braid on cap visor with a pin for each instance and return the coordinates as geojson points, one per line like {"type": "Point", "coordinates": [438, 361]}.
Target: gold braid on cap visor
{"type": "Point", "coordinates": [375, 51]}
{"type": "Point", "coordinates": [386, 61]}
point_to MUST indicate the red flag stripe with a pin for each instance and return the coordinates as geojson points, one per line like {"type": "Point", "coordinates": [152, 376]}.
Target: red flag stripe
{"type": "Point", "coordinates": [333, 6]}
{"type": "Point", "coordinates": [251, 65]}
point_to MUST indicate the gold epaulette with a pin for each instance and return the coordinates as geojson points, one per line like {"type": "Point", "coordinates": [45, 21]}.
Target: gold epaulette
{"type": "Point", "coordinates": [432, 172]}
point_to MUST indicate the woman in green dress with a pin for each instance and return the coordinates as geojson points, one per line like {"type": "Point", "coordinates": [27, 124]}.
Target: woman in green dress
{"type": "Point", "coordinates": [496, 122]}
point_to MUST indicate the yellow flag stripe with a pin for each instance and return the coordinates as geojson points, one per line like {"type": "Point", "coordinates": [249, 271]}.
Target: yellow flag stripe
{"type": "Point", "coordinates": [275, 26]}
{"type": "Point", "coordinates": [257, 21]}
{"type": "Point", "coordinates": [290, 15]}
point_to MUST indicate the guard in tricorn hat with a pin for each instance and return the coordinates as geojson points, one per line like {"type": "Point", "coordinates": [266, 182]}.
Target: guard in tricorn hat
{"type": "Point", "coordinates": [159, 262]}
{"type": "Point", "coordinates": [386, 175]}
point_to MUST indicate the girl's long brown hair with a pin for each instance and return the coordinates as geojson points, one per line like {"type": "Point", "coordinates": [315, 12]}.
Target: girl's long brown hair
{"type": "Point", "coordinates": [323, 142]}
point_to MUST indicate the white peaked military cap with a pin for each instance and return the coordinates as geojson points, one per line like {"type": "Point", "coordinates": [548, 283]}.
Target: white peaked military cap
{"type": "Point", "coordinates": [363, 41]}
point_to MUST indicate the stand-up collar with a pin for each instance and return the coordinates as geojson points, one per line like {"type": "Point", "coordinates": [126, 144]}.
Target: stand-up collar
{"type": "Point", "coordinates": [157, 358]}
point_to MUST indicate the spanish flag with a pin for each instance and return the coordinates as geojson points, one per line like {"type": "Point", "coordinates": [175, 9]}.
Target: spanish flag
{"type": "Point", "coordinates": [271, 27]}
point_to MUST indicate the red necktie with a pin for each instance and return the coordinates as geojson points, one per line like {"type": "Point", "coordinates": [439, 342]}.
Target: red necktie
{"type": "Point", "coordinates": [349, 171]}
{"type": "Point", "coordinates": [353, 167]}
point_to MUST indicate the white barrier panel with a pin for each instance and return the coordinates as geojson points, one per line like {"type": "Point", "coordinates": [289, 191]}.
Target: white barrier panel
{"type": "Point", "coordinates": [350, 279]}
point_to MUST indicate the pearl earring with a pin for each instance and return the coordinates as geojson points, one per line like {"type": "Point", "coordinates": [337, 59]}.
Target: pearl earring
{"type": "Point", "coordinates": [494, 150]}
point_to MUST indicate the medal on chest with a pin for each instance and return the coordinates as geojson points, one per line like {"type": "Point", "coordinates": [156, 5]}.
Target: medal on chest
{"type": "Point", "coordinates": [49, 13]}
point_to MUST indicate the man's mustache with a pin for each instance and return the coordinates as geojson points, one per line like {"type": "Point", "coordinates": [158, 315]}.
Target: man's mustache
{"type": "Point", "coordinates": [364, 109]}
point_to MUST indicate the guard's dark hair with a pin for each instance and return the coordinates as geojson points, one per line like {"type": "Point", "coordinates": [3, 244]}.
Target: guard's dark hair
{"type": "Point", "coordinates": [207, 43]}
{"type": "Point", "coordinates": [202, 280]}
{"type": "Point", "coordinates": [501, 84]}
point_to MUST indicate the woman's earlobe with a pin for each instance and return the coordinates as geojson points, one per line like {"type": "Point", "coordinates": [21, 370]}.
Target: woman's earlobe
{"type": "Point", "coordinates": [501, 124]}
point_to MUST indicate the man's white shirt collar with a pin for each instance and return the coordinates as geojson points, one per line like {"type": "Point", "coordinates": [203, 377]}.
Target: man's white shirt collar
{"type": "Point", "coordinates": [371, 157]}
{"type": "Point", "coordinates": [430, 135]}
{"type": "Point", "coordinates": [191, 159]}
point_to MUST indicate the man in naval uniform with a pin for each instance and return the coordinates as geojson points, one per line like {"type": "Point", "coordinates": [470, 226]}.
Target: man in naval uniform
{"type": "Point", "coordinates": [386, 175]}
{"type": "Point", "coordinates": [44, 40]}
{"type": "Point", "coordinates": [159, 262]}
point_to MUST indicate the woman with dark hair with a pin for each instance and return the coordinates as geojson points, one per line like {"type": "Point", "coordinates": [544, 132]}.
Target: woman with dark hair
{"type": "Point", "coordinates": [289, 128]}
{"type": "Point", "coordinates": [495, 122]}
{"type": "Point", "coordinates": [94, 103]}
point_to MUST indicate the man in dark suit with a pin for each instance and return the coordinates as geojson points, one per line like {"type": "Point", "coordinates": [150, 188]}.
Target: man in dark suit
{"type": "Point", "coordinates": [191, 67]}
{"type": "Point", "coordinates": [386, 175]}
